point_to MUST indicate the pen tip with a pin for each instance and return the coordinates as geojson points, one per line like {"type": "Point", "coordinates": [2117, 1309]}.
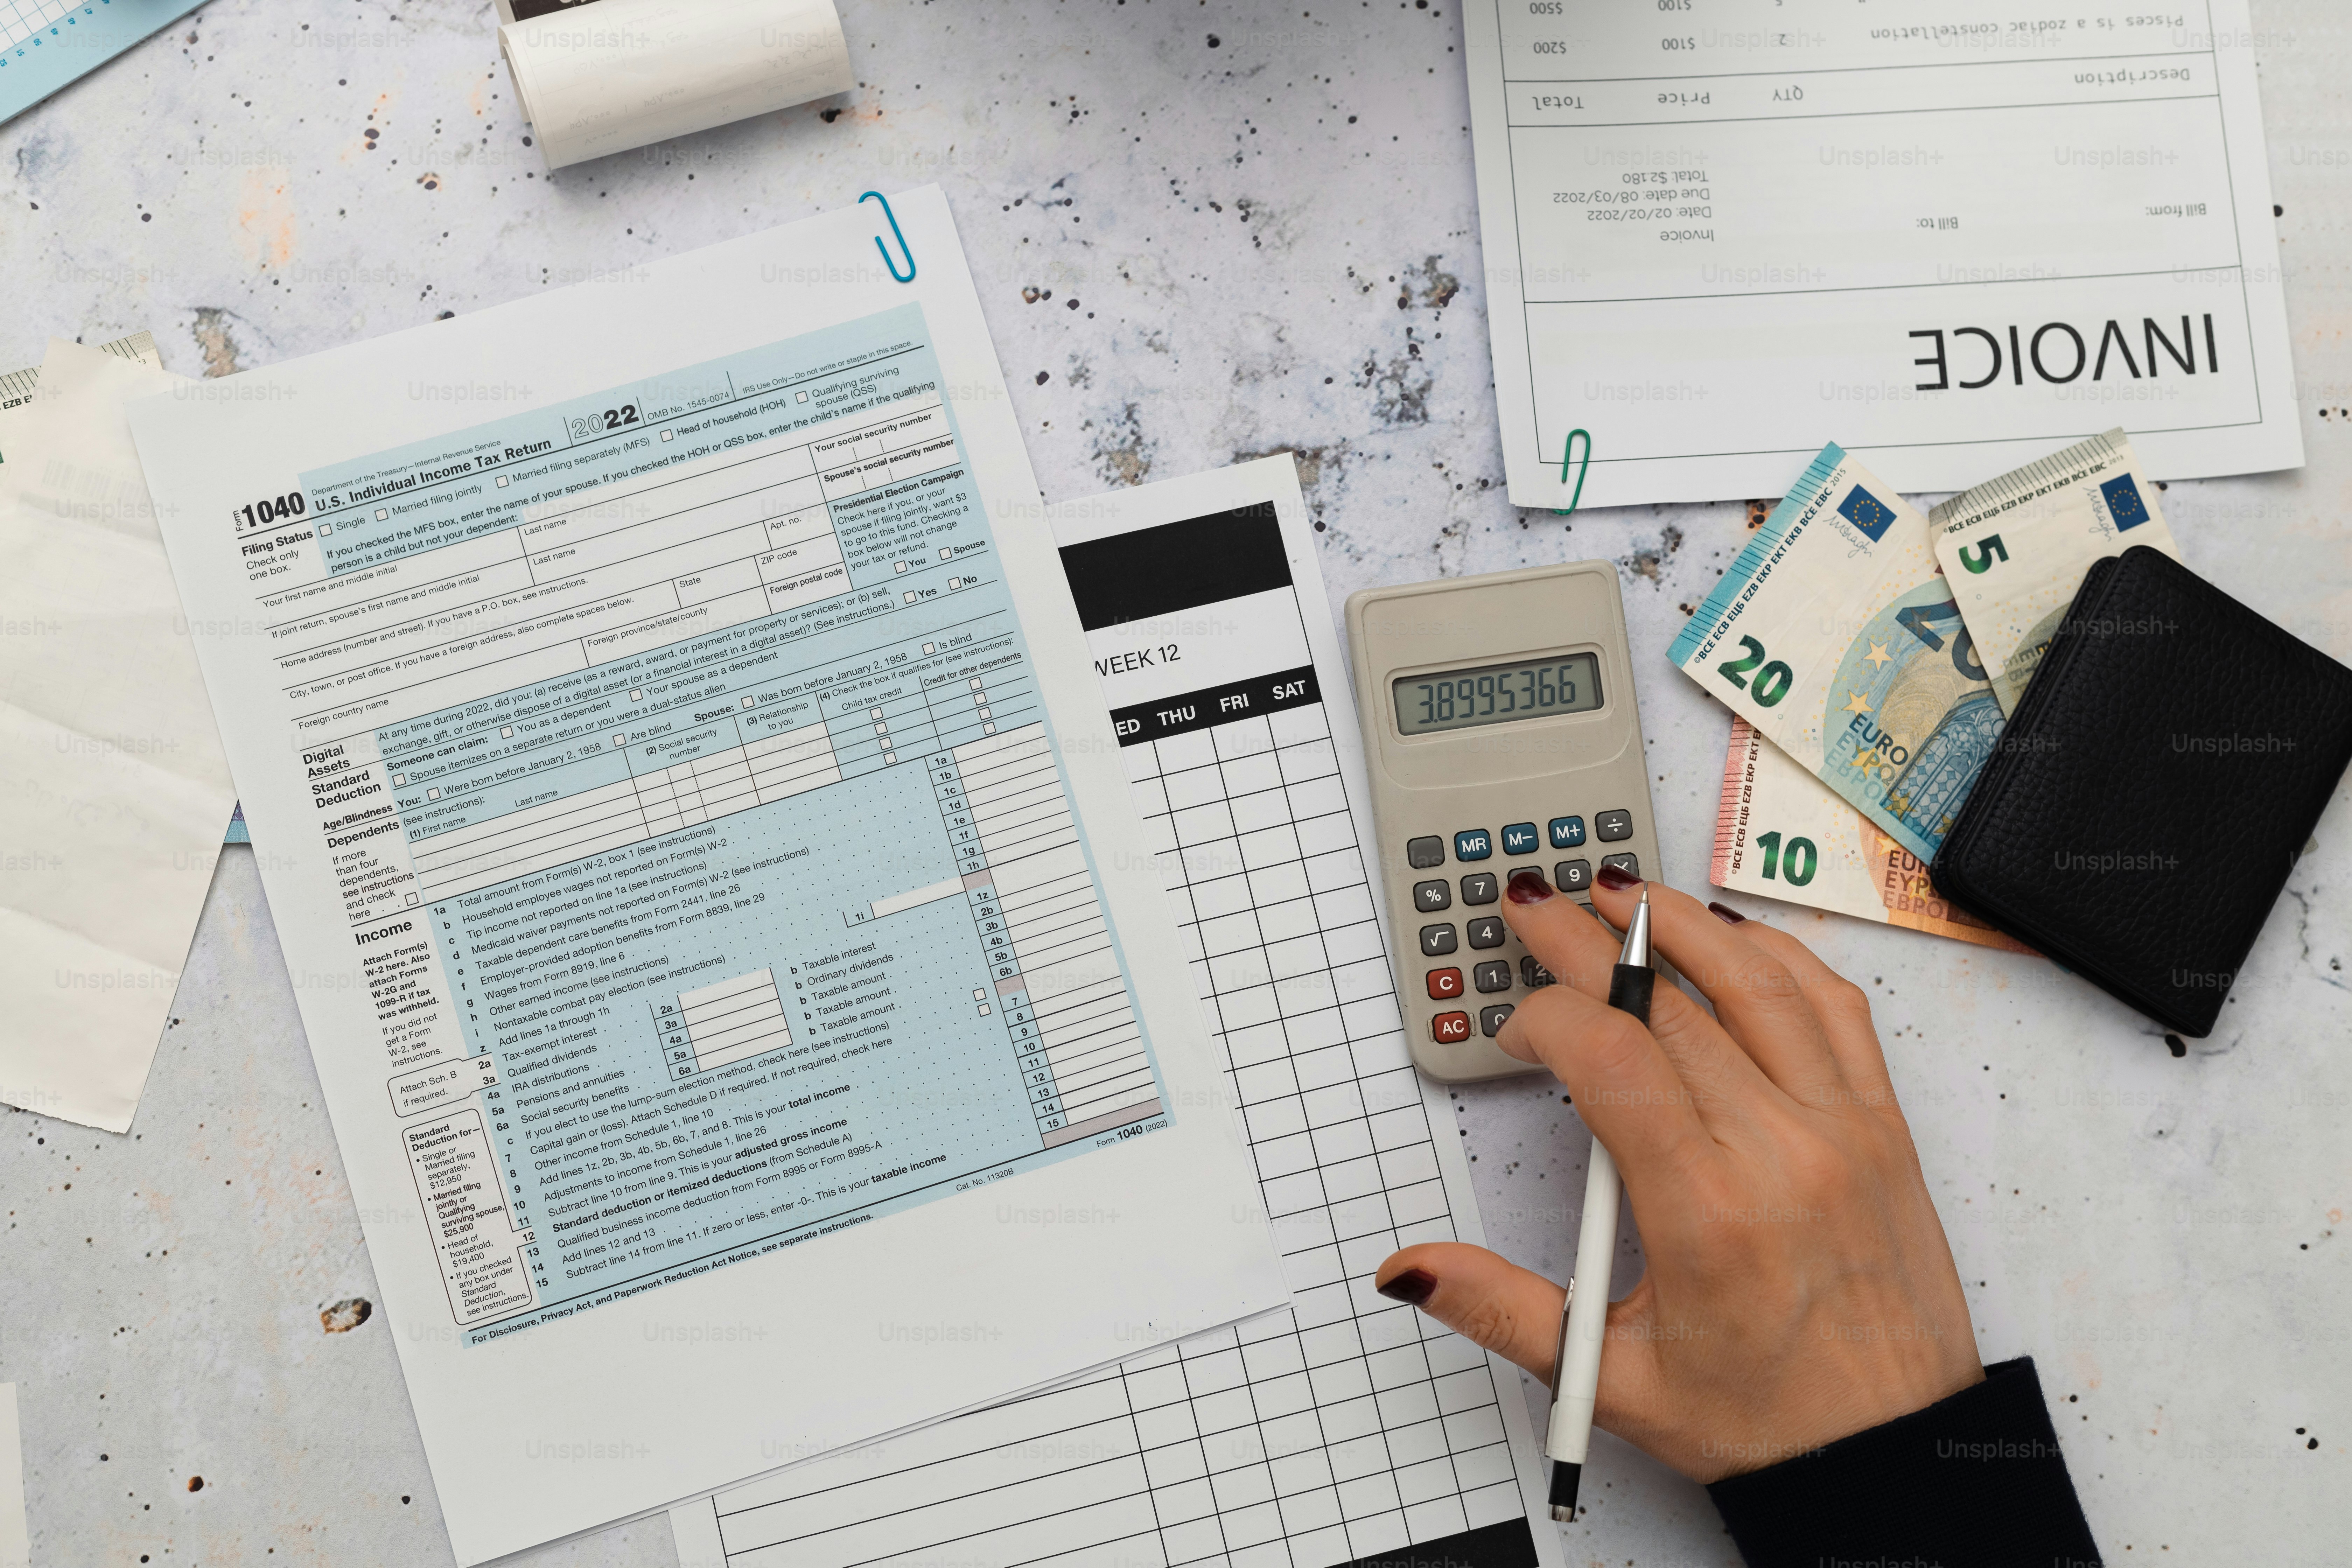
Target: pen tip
{"type": "Point", "coordinates": [1564, 1479]}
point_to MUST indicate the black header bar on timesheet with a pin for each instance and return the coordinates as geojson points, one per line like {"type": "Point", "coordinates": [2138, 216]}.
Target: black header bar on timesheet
{"type": "Point", "coordinates": [1215, 705]}
{"type": "Point", "coordinates": [1176, 566]}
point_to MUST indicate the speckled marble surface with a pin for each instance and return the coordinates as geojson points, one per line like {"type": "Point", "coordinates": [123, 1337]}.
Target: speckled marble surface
{"type": "Point", "coordinates": [1201, 232]}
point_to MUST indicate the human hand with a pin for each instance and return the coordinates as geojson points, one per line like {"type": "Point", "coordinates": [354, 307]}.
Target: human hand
{"type": "Point", "coordinates": [1799, 1288]}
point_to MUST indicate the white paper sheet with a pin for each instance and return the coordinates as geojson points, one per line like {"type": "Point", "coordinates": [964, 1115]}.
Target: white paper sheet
{"type": "Point", "coordinates": [603, 78]}
{"type": "Point", "coordinates": [730, 955]}
{"type": "Point", "coordinates": [1346, 1424]}
{"type": "Point", "coordinates": [1945, 238]}
{"type": "Point", "coordinates": [15, 1530]}
{"type": "Point", "coordinates": [115, 784]}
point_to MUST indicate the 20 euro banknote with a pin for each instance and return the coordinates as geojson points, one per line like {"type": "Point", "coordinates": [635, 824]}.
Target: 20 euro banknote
{"type": "Point", "coordinates": [1780, 832]}
{"type": "Point", "coordinates": [2014, 549]}
{"type": "Point", "coordinates": [1835, 634]}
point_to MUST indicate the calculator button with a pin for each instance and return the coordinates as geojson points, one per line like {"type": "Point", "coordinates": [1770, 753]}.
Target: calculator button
{"type": "Point", "coordinates": [1487, 930]}
{"type": "Point", "coordinates": [1533, 974]}
{"type": "Point", "coordinates": [1431, 897]}
{"type": "Point", "coordinates": [1629, 864]}
{"type": "Point", "coordinates": [1567, 833]}
{"type": "Point", "coordinates": [1436, 940]}
{"type": "Point", "coordinates": [1519, 838]}
{"type": "Point", "coordinates": [1421, 854]}
{"type": "Point", "coordinates": [1611, 826]}
{"type": "Point", "coordinates": [1473, 844]}
{"type": "Point", "coordinates": [1493, 975]}
{"type": "Point", "coordinates": [1492, 1019]}
{"type": "Point", "coordinates": [1450, 1028]}
{"type": "Point", "coordinates": [1572, 876]}
{"type": "Point", "coordinates": [1478, 889]}
{"type": "Point", "coordinates": [1444, 985]}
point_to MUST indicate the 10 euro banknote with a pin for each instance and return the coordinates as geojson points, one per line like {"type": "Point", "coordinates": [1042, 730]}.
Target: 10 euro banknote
{"type": "Point", "coordinates": [1835, 634]}
{"type": "Point", "coordinates": [1779, 832]}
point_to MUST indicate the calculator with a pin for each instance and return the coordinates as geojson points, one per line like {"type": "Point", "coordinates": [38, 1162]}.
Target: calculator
{"type": "Point", "coordinates": [1501, 735]}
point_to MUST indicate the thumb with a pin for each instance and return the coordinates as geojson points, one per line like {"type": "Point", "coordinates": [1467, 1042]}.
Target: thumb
{"type": "Point", "coordinates": [1495, 1304]}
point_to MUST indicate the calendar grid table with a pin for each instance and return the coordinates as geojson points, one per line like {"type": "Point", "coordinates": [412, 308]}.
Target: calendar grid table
{"type": "Point", "coordinates": [1371, 1424]}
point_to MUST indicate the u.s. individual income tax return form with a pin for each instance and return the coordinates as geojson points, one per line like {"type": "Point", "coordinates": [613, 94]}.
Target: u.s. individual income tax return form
{"type": "Point", "coordinates": [712, 883]}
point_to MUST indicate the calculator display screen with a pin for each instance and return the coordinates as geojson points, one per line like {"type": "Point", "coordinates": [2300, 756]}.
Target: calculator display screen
{"type": "Point", "coordinates": [1497, 693]}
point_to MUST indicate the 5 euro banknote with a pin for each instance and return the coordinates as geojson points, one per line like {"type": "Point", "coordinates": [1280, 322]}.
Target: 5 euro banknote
{"type": "Point", "coordinates": [2014, 549]}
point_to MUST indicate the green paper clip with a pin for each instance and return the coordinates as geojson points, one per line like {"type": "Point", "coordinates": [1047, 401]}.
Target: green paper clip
{"type": "Point", "coordinates": [1567, 450]}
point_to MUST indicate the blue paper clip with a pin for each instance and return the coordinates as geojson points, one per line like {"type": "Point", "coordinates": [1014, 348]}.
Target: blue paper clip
{"type": "Point", "coordinates": [1567, 448]}
{"type": "Point", "coordinates": [908, 275]}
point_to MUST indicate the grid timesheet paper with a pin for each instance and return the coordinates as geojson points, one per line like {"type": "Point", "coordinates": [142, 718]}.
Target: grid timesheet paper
{"type": "Point", "coordinates": [722, 931]}
{"type": "Point", "coordinates": [1345, 1428]}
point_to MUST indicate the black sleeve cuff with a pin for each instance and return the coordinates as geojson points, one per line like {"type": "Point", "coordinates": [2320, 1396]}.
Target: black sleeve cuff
{"type": "Point", "coordinates": [1972, 1481]}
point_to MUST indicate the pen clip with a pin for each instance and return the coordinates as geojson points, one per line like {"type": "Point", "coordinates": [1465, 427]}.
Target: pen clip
{"type": "Point", "coordinates": [1560, 1355]}
{"type": "Point", "coordinates": [908, 276]}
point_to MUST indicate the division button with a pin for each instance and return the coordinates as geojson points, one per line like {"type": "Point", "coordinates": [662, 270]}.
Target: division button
{"type": "Point", "coordinates": [1611, 826]}
{"type": "Point", "coordinates": [1437, 942]}
{"type": "Point", "coordinates": [1572, 876]}
{"type": "Point", "coordinates": [1473, 844]}
{"type": "Point", "coordinates": [1567, 832]}
{"type": "Point", "coordinates": [1421, 854]}
{"type": "Point", "coordinates": [1431, 897]}
{"type": "Point", "coordinates": [1487, 930]}
{"type": "Point", "coordinates": [1478, 888]}
{"type": "Point", "coordinates": [1521, 838]}
{"type": "Point", "coordinates": [1450, 1028]}
{"type": "Point", "coordinates": [1495, 975]}
{"type": "Point", "coordinates": [1444, 985]}
{"type": "Point", "coordinates": [1491, 1019]}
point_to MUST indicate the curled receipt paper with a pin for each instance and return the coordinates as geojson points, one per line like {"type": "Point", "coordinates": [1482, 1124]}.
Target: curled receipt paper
{"type": "Point", "coordinates": [604, 76]}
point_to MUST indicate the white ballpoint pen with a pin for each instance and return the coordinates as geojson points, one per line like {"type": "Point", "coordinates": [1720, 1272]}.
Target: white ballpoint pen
{"type": "Point", "coordinates": [1576, 1370]}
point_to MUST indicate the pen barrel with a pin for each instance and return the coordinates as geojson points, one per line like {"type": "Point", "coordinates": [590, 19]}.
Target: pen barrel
{"type": "Point", "coordinates": [1578, 1376]}
{"type": "Point", "coordinates": [1630, 985]}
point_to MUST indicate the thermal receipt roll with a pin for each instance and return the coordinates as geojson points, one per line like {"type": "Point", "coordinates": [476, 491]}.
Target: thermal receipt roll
{"type": "Point", "coordinates": [605, 77]}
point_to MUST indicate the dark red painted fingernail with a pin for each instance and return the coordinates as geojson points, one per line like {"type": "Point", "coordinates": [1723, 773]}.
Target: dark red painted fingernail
{"type": "Point", "coordinates": [1727, 914]}
{"type": "Point", "coordinates": [1414, 1286]}
{"type": "Point", "coordinates": [1616, 879]}
{"type": "Point", "coordinates": [1528, 888]}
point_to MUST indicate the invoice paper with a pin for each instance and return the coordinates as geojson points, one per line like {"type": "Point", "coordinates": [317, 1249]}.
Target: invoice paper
{"type": "Point", "coordinates": [730, 954]}
{"type": "Point", "coordinates": [1346, 1426]}
{"type": "Point", "coordinates": [1720, 233]}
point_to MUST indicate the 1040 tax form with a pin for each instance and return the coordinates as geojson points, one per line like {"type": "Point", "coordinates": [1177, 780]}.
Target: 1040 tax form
{"type": "Point", "coordinates": [733, 962]}
{"type": "Point", "coordinates": [1720, 233]}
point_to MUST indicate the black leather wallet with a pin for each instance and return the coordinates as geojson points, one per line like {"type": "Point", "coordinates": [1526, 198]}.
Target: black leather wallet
{"type": "Point", "coordinates": [2148, 797]}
